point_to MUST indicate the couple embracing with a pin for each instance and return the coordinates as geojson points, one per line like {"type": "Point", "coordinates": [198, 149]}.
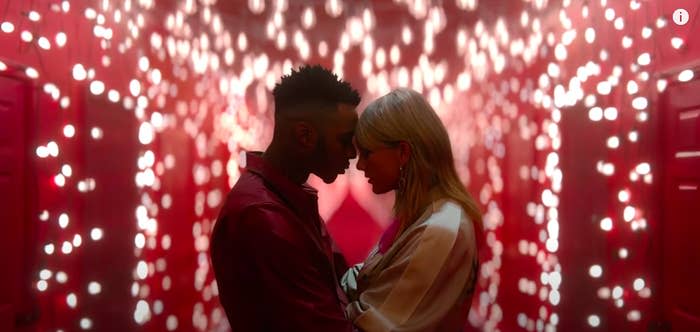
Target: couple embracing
{"type": "Point", "coordinates": [277, 268]}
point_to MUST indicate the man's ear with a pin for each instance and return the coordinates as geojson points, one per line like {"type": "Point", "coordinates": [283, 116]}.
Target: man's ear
{"type": "Point", "coordinates": [305, 135]}
{"type": "Point", "coordinates": [404, 152]}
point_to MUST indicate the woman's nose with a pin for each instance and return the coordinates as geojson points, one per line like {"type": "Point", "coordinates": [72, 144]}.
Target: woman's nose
{"type": "Point", "coordinates": [360, 164]}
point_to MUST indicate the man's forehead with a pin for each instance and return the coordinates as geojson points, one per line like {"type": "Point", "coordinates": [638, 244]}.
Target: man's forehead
{"type": "Point", "coordinates": [346, 117]}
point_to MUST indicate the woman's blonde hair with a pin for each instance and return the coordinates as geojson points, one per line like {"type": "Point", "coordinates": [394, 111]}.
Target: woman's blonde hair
{"type": "Point", "coordinates": [404, 115]}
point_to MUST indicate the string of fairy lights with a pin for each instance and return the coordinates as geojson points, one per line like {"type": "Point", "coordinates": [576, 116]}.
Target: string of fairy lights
{"type": "Point", "coordinates": [195, 44]}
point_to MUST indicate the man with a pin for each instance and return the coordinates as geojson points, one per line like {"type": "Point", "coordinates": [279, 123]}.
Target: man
{"type": "Point", "coordinates": [275, 264]}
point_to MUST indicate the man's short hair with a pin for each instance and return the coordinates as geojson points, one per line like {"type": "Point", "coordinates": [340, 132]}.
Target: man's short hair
{"type": "Point", "coordinates": [312, 85]}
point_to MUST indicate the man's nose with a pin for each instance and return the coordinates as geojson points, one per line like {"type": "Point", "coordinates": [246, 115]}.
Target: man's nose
{"type": "Point", "coordinates": [351, 153]}
{"type": "Point", "coordinates": [360, 164]}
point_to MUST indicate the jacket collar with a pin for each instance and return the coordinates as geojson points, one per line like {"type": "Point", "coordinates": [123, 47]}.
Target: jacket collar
{"type": "Point", "coordinates": [302, 198]}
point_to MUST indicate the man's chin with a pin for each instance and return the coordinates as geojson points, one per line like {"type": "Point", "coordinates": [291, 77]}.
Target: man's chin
{"type": "Point", "coordinates": [329, 179]}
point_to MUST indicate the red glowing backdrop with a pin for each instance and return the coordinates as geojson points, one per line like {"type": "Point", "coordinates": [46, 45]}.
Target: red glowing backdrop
{"type": "Point", "coordinates": [574, 124]}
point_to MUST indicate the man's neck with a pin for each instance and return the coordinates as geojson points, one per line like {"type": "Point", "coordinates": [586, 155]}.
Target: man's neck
{"type": "Point", "coordinates": [280, 158]}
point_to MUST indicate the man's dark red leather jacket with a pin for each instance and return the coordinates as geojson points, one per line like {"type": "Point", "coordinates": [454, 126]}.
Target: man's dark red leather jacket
{"type": "Point", "coordinates": [275, 265]}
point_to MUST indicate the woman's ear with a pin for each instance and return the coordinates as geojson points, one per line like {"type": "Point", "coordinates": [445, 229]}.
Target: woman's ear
{"type": "Point", "coordinates": [404, 152]}
{"type": "Point", "coordinates": [305, 135]}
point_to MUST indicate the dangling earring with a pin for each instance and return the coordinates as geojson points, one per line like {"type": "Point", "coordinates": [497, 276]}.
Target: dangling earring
{"type": "Point", "coordinates": [402, 179]}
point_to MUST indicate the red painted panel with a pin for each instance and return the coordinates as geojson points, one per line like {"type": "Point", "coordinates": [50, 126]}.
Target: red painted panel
{"type": "Point", "coordinates": [681, 208]}
{"type": "Point", "coordinates": [584, 247]}
{"type": "Point", "coordinates": [110, 161]}
{"type": "Point", "coordinates": [14, 228]}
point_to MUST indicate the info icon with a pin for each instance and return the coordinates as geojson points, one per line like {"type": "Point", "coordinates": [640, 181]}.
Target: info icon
{"type": "Point", "coordinates": [681, 16]}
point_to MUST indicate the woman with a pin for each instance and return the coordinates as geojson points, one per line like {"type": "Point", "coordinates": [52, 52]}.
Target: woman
{"type": "Point", "coordinates": [421, 274]}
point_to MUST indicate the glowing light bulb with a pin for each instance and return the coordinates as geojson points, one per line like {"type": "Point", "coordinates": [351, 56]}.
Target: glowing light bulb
{"type": "Point", "coordinates": [96, 133]}
{"type": "Point", "coordinates": [90, 14]}
{"type": "Point", "coordinates": [72, 300]}
{"type": "Point", "coordinates": [65, 101]}
{"type": "Point", "coordinates": [606, 224]}
{"type": "Point", "coordinates": [644, 59]}
{"type": "Point", "coordinates": [635, 5]}
{"type": "Point", "coordinates": [52, 149]}
{"type": "Point", "coordinates": [594, 320]}
{"type": "Point", "coordinates": [135, 87]}
{"type": "Point", "coordinates": [31, 73]}
{"type": "Point", "coordinates": [44, 216]}
{"type": "Point", "coordinates": [96, 234]}
{"type": "Point", "coordinates": [142, 314]}
{"type": "Point", "coordinates": [590, 35]}
{"type": "Point", "coordinates": [27, 36]}
{"type": "Point", "coordinates": [7, 27]}
{"type": "Point", "coordinates": [68, 131]}
{"type": "Point", "coordinates": [85, 323]}
{"type": "Point", "coordinates": [44, 43]}
{"type": "Point", "coordinates": [595, 271]}
{"type": "Point", "coordinates": [61, 277]}
{"type": "Point", "coordinates": [144, 63]}
{"type": "Point", "coordinates": [34, 16]}
{"type": "Point", "coordinates": [633, 136]}
{"type": "Point", "coordinates": [677, 42]}
{"type": "Point", "coordinates": [643, 168]}
{"type": "Point", "coordinates": [97, 87]}
{"type": "Point", "coordinates": [77, 240]}
{"type": "Point", "coordinates": [79, 72]}
{"type": "Point", "coordinates": [634, 315]}
{"type": "Point", "coordinates": [617, 292]}
{"type": "Point", "coordinates": [595, 114]}
{"type": "Point", "coordinates": [623, 253]}
{"type": "Point", "coordinates": [67, 247]}
{"type": "Point", "coordinates": [94, 288]}
{"type": "Point", "coordinates": [619, 23]}
{"type": "Point", "coordinates": [554, 297]}
{"type": "Point", "coordinates": [59, 180]}
{"type": "Point", "coordinates": [171, 323]}
{"type": "Point", "coordinates": [560, 52]}
{"type": "Point", "coordinates": [146, 133]}
{"type": "Point", "coordinates": [686, 75]}
{"type": "Point", "coordinates": [113, 96]}
{"type": "Point", "coordinates": [626, 42]}
{"type": "Point", "coordinates": [661, 22]}
{"type": "Point", "coordinates": [63, 220]}
{"type": "Point", "coordinates": [61, 39]}
{"type": "Point", "coordinates": [140, 241]}
{"type": "Point", "coordinates": [610, 113]}
{"type": "Point", "coordinates": [142, 270]}
{"type": "Point", "coordinates": [42, 152]}
{"type": "Point", "coordinates": [45, 274]}
{"type": "Point", "coordinates": [308, 18]}
{"type": "Point", "coordinates": [609, 14]}
{"type": "Point", "coordinates": [67, 170]}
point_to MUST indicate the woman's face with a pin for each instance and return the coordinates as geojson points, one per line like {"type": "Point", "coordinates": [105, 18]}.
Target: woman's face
{"type": "Point", "coordinates": [381, 167]}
